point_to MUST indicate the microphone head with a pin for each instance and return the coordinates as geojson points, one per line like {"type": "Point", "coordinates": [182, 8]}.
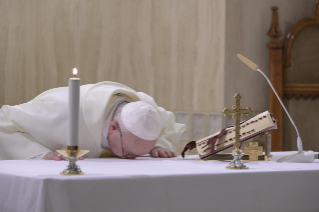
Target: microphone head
{"type": "Point", "coordinates": [248, 62]}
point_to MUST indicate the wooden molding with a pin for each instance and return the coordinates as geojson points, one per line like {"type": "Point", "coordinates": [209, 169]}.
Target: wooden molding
{"type": "Point", "coordinates": [274, 32]}
{"type": "Point", "coordinates": [294, 32]}
{"type": "Point", "coordinates": [296, 29]}
{"type": "Point", "coordinates": [279, 61]}
{"type": "Point", "coordinates": [315, 11]}
{"type": "Point", "coordinates": [299, 90]}
{"type": "Point", "coordinates": [275, 76]}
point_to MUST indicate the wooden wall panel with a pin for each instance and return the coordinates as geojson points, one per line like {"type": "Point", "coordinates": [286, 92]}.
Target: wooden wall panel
{"type": "Point", "coordinates": [172, 50]}
{"type": "Point", "coordinates": [247, 24]}
{"type": "Point", "coordinates": [306, 117]}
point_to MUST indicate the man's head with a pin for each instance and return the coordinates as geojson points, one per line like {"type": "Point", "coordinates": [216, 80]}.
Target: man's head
{"type": "Point", "coordinates": [134, 129]}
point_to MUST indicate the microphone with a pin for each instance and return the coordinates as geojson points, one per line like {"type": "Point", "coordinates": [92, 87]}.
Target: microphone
{"type": "Point", "coordinates": [301, 156]}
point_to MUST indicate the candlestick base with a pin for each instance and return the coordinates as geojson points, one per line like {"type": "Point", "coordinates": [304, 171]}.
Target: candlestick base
{"type": "Point", "coordinates": [72, 153]}
{"type": "Point", "coordinates": [72, 168]}
{"type": "Point", "coordinates": [237, 163]}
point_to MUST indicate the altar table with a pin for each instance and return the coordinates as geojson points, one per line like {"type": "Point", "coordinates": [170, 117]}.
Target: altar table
{"type": "Point", "coordinates": [159, 185]}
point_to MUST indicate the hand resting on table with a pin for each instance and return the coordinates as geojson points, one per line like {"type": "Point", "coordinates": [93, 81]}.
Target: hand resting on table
{"type": "Point", "coordinates": [160, 152]}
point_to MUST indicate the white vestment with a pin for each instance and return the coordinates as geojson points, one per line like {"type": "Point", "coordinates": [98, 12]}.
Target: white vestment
{"type": "Point", "coordinates": [40, 125]}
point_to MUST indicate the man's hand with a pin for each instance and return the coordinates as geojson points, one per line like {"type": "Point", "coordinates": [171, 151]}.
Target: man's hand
{"type": "Point", "coordinates": [56, 156]}
{"type": "Point", "coordinates": [162, 153]}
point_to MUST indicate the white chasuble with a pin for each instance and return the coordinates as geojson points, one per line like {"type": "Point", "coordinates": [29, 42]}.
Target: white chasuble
{"type": "Point", "coordinates": [40, 125]}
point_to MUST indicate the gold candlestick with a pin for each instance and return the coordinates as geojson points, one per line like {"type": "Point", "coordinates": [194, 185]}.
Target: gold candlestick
{"type": "Point", "coordinates": [72, 153]}
{"type": "Point", "coordinates": [237, 113]}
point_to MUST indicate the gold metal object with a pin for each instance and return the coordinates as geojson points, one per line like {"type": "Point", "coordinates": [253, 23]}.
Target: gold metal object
{"type": "Point", "coordinates": [72, 153]}
{"type": "Point", "coordinates": [264, 141]}
{"type": "Point", "coordinates": [237, 112]}
{"type": "Point", "coordinates": [72, 148]}
{"type": "Point", "coordinates": [261, 139]}
{"type": "Point", "coordinates": [253, 150]}
{"type": "Point", "coordinates": [243, 168]}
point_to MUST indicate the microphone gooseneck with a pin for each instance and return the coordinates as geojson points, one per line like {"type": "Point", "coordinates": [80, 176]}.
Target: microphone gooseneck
{"type": "Point", "coordinates": [299, 142]}
{"type": "Point", "coordinates": [256, 68]}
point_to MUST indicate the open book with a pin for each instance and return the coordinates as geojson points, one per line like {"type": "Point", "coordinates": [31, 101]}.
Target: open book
{"type": "Point", "coordinates": [226, 138]}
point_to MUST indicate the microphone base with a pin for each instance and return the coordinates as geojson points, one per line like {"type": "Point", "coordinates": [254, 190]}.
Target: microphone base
{"type": "Point", "coordinates": [303, 157]}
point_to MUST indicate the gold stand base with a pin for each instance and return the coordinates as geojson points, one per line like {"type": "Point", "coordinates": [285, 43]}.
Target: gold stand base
{"type": "Point", "coordinates": [237, 168]}
{"type": "Point", "coordinates": [72, 153]}
{"type": "Point", "coordinates": [62, 173]}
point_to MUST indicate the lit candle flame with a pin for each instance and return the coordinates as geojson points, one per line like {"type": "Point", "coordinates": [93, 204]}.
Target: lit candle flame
{"type": "Point", "coordinates": [75, 72]}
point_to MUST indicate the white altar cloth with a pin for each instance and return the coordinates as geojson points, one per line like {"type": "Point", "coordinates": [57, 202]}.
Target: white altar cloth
{"type": "Point", "coordinates": [158, 185]}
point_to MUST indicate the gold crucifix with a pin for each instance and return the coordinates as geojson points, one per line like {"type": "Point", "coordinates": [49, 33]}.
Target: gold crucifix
{"type": "Point", "coordinates": [237, 112]}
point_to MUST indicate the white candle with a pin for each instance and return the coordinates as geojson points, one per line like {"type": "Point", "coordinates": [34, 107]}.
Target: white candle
{"type": "Point", "coordinates": [74, 109]}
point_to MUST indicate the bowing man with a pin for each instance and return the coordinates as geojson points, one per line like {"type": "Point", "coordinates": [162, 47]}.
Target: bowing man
{"type": "Point", "coordinates": [114, 119]}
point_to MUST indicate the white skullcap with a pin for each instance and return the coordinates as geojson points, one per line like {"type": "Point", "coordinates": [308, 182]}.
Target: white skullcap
{"type": "Point", "coordinates": [142, 120]}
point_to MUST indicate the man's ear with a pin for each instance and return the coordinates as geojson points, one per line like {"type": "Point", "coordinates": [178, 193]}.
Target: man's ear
{"type": "Point", "coordinates": [113, 127]}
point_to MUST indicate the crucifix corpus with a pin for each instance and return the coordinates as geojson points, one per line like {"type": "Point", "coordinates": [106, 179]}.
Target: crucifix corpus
{"type": "Point", "coordinates": [237, 113]}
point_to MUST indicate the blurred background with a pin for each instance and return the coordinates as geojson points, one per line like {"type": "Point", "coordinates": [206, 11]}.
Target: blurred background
{"type": "Point", "coordinates": [181, 52]}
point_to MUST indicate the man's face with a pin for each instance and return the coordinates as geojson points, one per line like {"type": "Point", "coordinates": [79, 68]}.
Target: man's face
{"type": "Point", "coordinates": [125, 144]}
